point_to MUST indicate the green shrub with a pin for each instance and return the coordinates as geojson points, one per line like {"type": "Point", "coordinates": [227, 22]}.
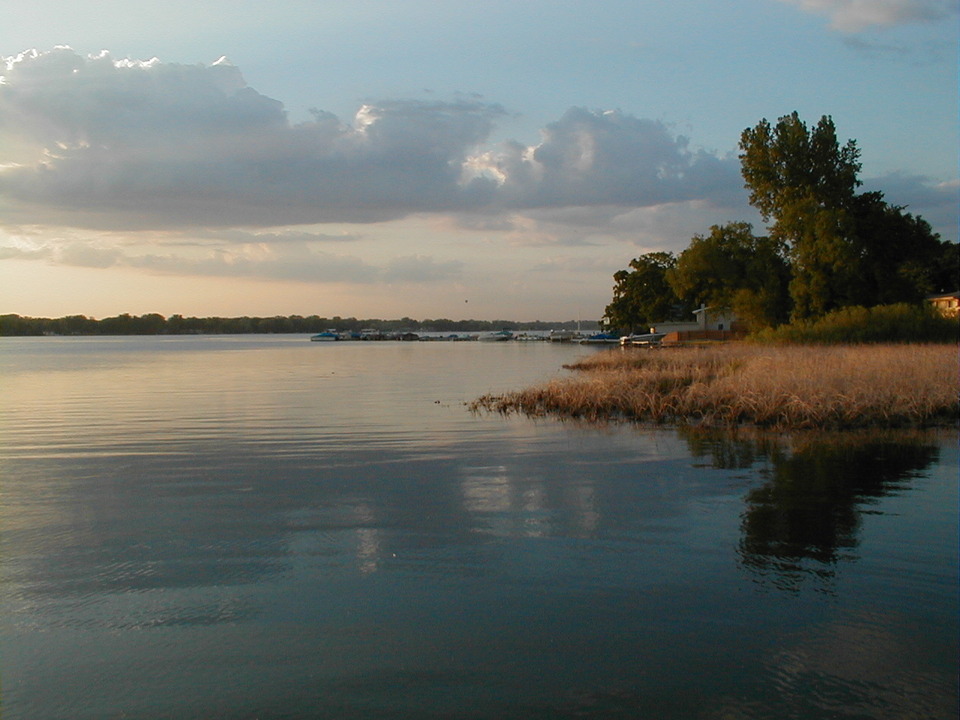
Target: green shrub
{"type": "Point", "coordinates": [900, 323]}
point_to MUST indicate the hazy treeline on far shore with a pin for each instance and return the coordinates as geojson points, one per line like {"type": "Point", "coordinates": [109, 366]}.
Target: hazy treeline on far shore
{"type": "Point", "coordinates": [155, 324]}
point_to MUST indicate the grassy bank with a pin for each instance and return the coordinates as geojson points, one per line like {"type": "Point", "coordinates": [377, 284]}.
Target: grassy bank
{"type": "Point", "coordinates": [900, 323]}
{"type": "Point", "coordinates": [791, 386]}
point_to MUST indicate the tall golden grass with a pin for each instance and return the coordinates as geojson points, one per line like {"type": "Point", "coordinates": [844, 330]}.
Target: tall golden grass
{"type": "Point", "coordinates": [785, 387]}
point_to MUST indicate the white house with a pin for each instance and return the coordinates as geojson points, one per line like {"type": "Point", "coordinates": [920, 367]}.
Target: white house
{"type": "Point", "coordinates": [948, 304]}
{"type": "Point", "coordinates": [706, 319]}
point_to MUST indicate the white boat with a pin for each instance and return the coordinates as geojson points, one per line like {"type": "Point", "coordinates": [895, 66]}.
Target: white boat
{"type": "Point", "coordinates": [499, 336]}
{"type": "Point", "coordinates": [646, 339]}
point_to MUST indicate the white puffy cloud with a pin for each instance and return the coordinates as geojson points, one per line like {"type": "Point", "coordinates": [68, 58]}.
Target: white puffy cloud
{"type": "Point", "coordinates": [857, 15]}
{"type": "Point", "coordinates": [608, 158]}
{"type": "Point", "coordinates": [120, 144]}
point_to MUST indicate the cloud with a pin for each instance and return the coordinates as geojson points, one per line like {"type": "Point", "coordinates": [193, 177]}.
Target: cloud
{"type": "Point", "coordinates": [419, 269]}
{"type": "Point", "coordinates": [293, 264]}
{"type": "Point", "coordinates": [939, 201]}
{"type": "Point", "coordinates": [571, 265]}
{"type": "Point", "coordinates": [8, 252]}
{"type": "Point", "coordinates": [83, 255]}
{"type": "Point", "coordinates": [857, 15]}
{"type": "Point", "coordinates": [104, 143]}
{"type": "Point", "coordinates": [294, 261]}
{"type": "Point", "coordinates": [235, 235]}
{"type": "Point", "coordinates": [606, 158]}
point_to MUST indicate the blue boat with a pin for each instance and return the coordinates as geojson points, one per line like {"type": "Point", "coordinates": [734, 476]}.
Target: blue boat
{"type": "Point", "coordinates": [325, 336]}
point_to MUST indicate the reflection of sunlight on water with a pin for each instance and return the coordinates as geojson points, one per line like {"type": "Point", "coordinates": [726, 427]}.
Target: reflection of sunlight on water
{"type": "Point", "coordinates": [369, 550]}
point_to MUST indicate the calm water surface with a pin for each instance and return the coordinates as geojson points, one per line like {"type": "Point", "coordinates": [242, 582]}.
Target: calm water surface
{"type": "Point", "coordinates": [263, 527]}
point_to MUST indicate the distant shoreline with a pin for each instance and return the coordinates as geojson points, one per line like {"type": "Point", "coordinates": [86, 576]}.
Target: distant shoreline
{"type": "Point", "coordinates": [12, 325]}
{"type": "Point", "coordinates": [743, 384]}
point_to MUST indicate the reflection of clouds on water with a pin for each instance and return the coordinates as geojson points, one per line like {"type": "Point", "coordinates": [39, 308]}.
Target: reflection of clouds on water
{"type": "Point", "coordinates": [505, 506]}
{"type": "Point", "coordinates": [306, 531]}
{"type": "Point", "coordinates": [508, 502]}
{"type": "Point", "coordinates": [368, 550]}
{"type": "Point", "coordinates": [874, 665]}
{"type": "Point", "coordinates": [587, 517]}
{"type": "Point", "coordinates": [883, 664]}
{"type": "Point", "coordinates": [486, 490]}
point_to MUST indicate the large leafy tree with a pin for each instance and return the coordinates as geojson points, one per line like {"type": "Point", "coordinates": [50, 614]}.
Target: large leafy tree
{"type": "Point", "coordinates": [642, 295]}
{"type": "Point", "coordinates": [805, 183]}
{"type": "Point", "coordinates": [828, 245]}
{"type": "Point", "coordinates": [845, 248]}
{"type": "Point", "coordinates": [789, 165]}
{"type": "Point", "coordinates": [734, 269]}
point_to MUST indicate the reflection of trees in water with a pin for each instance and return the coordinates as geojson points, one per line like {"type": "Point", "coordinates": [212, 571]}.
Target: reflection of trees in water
{"type": "Point", "coordinates": [732, 451]}
{"type": "Point", "coordinates": [807, 514]}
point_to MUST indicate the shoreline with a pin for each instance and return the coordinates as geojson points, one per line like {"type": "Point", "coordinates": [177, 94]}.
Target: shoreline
{"type": "Point", "coordinates": [783, 387]}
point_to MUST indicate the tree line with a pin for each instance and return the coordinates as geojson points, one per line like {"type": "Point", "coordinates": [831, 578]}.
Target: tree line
{"type": "Point", "coordinates": [155, 324]}
{"type": "Point", "coordinates": [827, 246]}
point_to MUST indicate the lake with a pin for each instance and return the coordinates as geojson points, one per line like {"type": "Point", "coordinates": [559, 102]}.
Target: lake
{"type": "Point", "coordinates": [261, 527]}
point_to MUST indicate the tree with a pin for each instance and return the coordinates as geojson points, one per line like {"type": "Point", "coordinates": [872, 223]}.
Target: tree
{"type": "Point", "coordinates": [642, 295]}
{"type": "Point", "coordinates": [828, 246]}
{"type": "Point", "coordinates": [946, 276]}
{"type": "Point", "coordinates": [805, 183]}
{"type": "Point", "coordinates": [900, 258]}
{"type": "Point", "coordinates": [788, 164]}
{"type": "Point", "coordinates": [733, 269]}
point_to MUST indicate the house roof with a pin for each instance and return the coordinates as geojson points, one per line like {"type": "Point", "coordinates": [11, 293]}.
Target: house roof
{"type": "Point", "coordinates": [713, 311]}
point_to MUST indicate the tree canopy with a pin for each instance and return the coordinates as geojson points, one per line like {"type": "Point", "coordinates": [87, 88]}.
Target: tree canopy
{"type": "Point", "coordinates": [845, 249]}
{"type": "Point", "coordinates": [642, 295]}
{"type": "Point", "coordinates": [733, 268]}
{"type": "Point", "coordinates": [828, 246]}
{"type": "Point", "coordinates": [788, 166]}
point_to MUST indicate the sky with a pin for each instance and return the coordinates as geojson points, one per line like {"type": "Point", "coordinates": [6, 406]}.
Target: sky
{"type": "Point", "coordinates": [383, 159]}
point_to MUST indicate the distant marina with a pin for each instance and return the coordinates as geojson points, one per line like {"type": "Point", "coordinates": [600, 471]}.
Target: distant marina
{"type": "Point", "coordinates": [557, 336]}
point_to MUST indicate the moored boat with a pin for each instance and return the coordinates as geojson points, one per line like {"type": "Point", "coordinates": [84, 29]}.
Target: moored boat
{"type": "Point", "coordinates": [498, 336]}
{"type": "Point", "coordinates": [325, 336]}
{"type": "Point", "coordinates": [600, 338]}
{"type": "Point", "coordinates": [645, 339]}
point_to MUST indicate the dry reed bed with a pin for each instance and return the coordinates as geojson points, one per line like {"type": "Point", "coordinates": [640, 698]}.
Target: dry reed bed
{"type": "Point", "coordinates": [788, 386]}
